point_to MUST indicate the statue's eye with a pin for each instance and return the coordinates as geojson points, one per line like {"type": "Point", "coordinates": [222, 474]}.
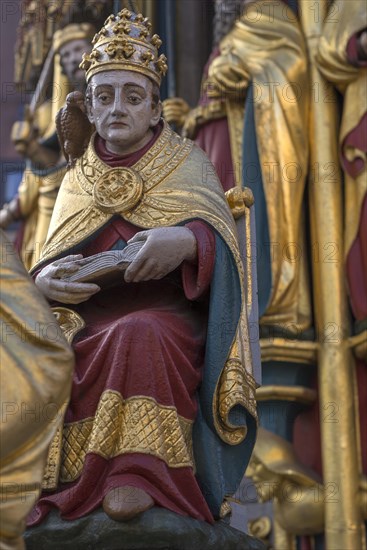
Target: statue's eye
{"type": "Point", "coordinates": [134, 99]}
{"type": "Point", "coordinates": [103, 98]}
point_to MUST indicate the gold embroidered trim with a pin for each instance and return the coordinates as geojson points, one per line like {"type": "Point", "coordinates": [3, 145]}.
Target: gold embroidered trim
{"type": "Point", "coordinates": [71, 323]}
{"type": "Point", "coordinates": [161, 160]}
{"type": "Point", "coordinates": [236, 387]}
{"type": "Point", "coordinates": [135, 425]}
{"type": "Point", "coordinates": [52, 468]}
{"type": "Point", "coordinates": [77, 228]}
{"type": "Point", "coordinates": [118, 190]}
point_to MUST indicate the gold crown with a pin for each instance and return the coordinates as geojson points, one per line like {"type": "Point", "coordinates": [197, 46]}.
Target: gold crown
{"type": "Point", "coordinates": [74, 31]}
{"type": "Point", "coordinates": [125, 42]}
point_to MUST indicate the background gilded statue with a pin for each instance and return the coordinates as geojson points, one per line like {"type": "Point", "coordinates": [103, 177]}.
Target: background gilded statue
{"type": "Point", "coordinates": [35, 138]}
{"type": "Point", "coordinates": [35, 368]}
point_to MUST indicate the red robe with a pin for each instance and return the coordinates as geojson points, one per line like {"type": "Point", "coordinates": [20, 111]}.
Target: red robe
{"type": "Point", "coordinates": [213, 138]}
{"type": "Point", "coordinates": [356, 264]}
{"type": "Point", "coordinates": [141, 339]}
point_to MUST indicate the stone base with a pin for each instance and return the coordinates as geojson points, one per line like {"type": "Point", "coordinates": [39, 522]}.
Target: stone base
{"type": "Point", "coordinates": [155, 529]}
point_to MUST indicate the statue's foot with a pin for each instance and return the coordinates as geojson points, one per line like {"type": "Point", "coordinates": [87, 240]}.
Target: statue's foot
{"type": "Point", "coordinates": [123, 503]}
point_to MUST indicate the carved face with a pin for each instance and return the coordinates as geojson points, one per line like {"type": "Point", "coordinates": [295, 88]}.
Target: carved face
{"type": "Point", "coordinates": [122, 110]}
{"type": "Point", "coordinates": [71, 55]}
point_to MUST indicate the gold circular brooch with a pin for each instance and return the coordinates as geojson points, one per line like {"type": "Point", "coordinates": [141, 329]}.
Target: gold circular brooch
{"type": "Point", "coordinates": [118, 190]}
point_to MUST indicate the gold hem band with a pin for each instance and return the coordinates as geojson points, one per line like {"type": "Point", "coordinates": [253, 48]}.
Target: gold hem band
{"type": "Point", "coordinates": [121, 426]}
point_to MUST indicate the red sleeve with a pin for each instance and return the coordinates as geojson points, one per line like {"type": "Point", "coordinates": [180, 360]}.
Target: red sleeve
{"type": "Point", "coordinates": [357, 138]}
{"type": "Point", "coordinates": [197, 276]}
{"type": "Point", "coordinates": [352, 52]}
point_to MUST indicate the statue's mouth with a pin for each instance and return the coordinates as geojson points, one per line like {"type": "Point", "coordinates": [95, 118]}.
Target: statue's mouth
{"type": "Point", "coordinates": [118, 124]}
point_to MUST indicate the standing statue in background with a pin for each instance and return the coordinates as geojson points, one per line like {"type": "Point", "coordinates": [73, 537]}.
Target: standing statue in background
{"type": "Point", "coordinates": [252, 122]}
{"type": "Point", "coordinates": [175, 326]}
{"type": "Point", "coordinates": [342, 60]}
{"type": "Point", "coordinates": [207, 123]}
{"type": "Point", "coordinates": [37, 141]}
{"type": "Point", "coordinates": [35, 372]}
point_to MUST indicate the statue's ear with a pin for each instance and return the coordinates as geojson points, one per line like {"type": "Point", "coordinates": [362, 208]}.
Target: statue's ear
{"type": "Point", "coordinates": [157, 112]}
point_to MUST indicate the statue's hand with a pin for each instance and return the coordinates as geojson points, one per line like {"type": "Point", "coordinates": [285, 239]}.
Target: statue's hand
{"type": "Point", "coordinates": [228, 74]}
{"type": "Point", "coordinates": [175, 110]}
{"type": "Point", "coordinates": [50, 282]}
{"type": "Point", "coordinates": [165, 249]}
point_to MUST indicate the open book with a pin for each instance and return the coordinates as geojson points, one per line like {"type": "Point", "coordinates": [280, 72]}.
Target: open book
{"type": "Point", "coordinates": [106, 268]}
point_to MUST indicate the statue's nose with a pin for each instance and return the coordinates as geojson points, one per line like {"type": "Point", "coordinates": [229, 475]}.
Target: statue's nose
{"type": "Point", "coordinates": [119, 107]}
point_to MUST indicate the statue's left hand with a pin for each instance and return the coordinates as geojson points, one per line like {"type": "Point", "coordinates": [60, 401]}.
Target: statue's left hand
{"type": "Point", "coordinates": [229, 74]}
{"type": "Point", "coordinates": [175, 110]}
{"type": "Point", "coordinates": [165, 249]}
{"type": "Point", "coordinates": [51, 283]}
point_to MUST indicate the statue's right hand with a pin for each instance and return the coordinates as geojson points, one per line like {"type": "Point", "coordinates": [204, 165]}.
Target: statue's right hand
{"type": "Point", "coordinates": [54, 287]}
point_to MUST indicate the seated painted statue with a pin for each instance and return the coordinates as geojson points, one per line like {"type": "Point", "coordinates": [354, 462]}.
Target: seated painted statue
{"type": "Point", "coordinates": [162, 409]}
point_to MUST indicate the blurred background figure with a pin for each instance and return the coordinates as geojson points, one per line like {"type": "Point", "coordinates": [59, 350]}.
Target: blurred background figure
{"type": "Point", "coordinates": [36, 140]}
{"type": "Point", "coordinates": [35, 372]}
